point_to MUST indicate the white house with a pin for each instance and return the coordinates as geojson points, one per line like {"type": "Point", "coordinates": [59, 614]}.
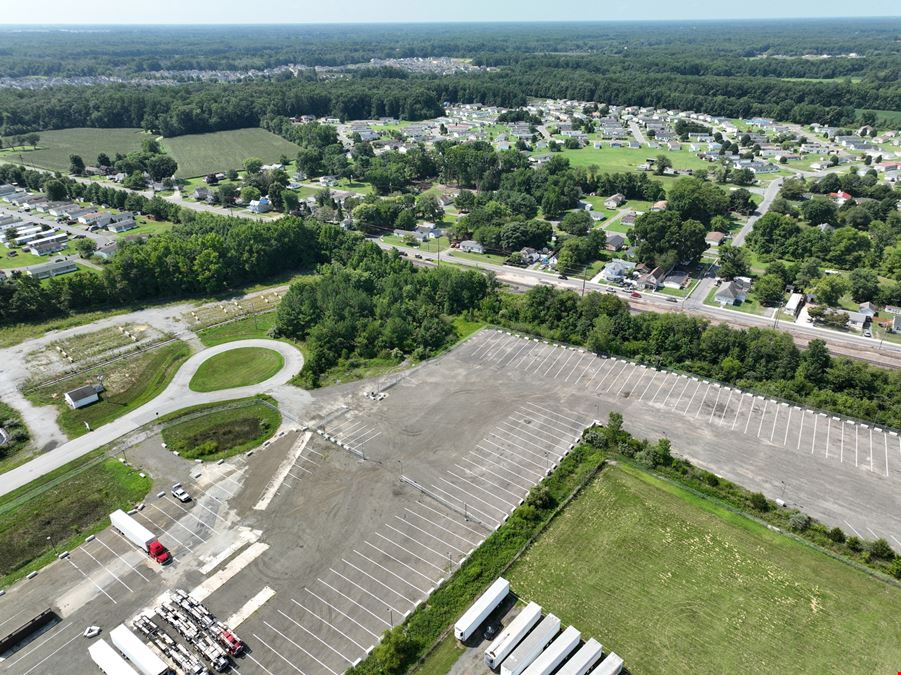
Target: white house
{"type": "Point", "coordinates": [261, 205]}
{"type": "Point", "coordinates": [470, 246]}
{"type": "Point", "coordinates": [733, 292]}
{"type": "Point", "coordinates": [79, 398]}
{"type": "Point", "coordinates": [615, 201]}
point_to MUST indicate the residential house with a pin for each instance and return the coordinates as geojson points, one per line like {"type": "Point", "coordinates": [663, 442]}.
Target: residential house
{"type": "Point", "coordinates": [733, 292]}
{"type": "Point", "coordinates": [529, 255]}
{"type": "Point", "coordinates": [840, 197]}
{"type": "Point", "coordinates": [896, 324]}
{"type": "Point", "coordinates": [615, 201]}
{"type": "Point", "coordinates": [616, 270]}
{"type": "Point", "coordinates": [892, 309]}
{"type": "Point", "coordinates": [123, 225]}
{"type": "Point", "coordinates": [629, 218]}
{"type": "Point", "coordinates": [794, 304]}
{"type": "Point", "coordinates": [261, 205]}
{"type": "Point", "coordinates": [597, 216]}
{"type": "Point", "coordinates": [714, 238]}
{"type": "Point", "coordinates": [52, 243]}
{"type": "Point", "coordinates": [200, 194]}
{"type": "Point", "coordinates": [676, 280]}
{"type": "Point", "coordinates": [867, 309]}
{"type": "Point", "coordinates": [615, 241]}
{"type": "Point", "coordinates": [106, 252]}
{"type": "Point", "coordinates": [51, 269]}
{"type": "Point", "coordinates": [653, 279]}
{"type": "Point", "coordinates": [857, 320]}
{"type": "Point", "coordinates": [470, 246]}
{"type": "Point", "coordinates": [83, 396]}
{"type": "Point", "coordinates": [659, 205]}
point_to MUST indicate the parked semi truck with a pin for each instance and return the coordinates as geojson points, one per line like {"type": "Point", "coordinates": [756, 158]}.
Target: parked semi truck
{"type": "Point", "coordinates": [108, 660]}
{"type": "Point", "coordinates": [532, 646]}
{"type": "Point", "coordinates": [481, 608]}
{"type": "Point", "coordinates": [142, 657]}
{"type": "Point", "coordinates": [584, 659]}
{"type": "Point", "coordinates": [140, 536]}
{"type": "Point", "coordinates": [512, 635]}
{"type": "Point", "coordinates": [558, 650]}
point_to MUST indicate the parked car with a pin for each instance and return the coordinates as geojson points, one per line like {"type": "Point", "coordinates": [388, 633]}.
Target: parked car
{"type": "Point", "coordinates": [563, 276]}
{"type": "Point", "coordinates": [179, 493]}
{"type": "Point", "coordinates": [634, 294]}
{"type": "Point", "coordinates": [671, 299]}
{"type": "Point", "coordinates": [867, 333]}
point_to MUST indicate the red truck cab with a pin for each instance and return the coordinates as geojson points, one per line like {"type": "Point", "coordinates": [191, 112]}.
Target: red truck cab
{"type": "Point", "coordinates": [232, 644]}
{"type": "Point", "coordinates": [159, 552]}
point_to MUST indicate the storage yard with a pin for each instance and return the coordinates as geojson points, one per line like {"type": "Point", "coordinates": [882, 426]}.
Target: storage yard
{"type": "Point", "coordinates": [373, 493]}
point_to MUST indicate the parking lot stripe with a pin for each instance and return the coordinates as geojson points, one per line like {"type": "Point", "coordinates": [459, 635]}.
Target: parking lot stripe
{"type": "Point", "coordinates": [527, 354]}
{"type": "Point", "coordinates": [71, 639]}
{"type": "Point", "coordinates": [871, 449]}
{"type": "Point", "coordinates": [10, 618]}
{"type": "Point", "coordinates": [599, 367]}
{"type": "Point", "coordinates": [441, 570]}
{"type": "Point", "coordinates": [42, 643]}
{"type": "Point", "coordinates": [397, 593]}
{"type": "Point", "coordinates": [550, 349]}
{"type": "Point", "coordinates": [334, 628]}
{"type": "Point", "coordinates": [351, 600]}
{"type": "Point", "coordinates": [467, 506]}
{"type": "Point", "coordinates": [96, 585]}
{"type": "Point", "coordinates": [198, 503]}
{"type": "Point", "coordinates": [635, 369]}
{"type": "Point", "coordinates": [538, 475]}
{"type": "Point", "coordinates": [775, 419]}
{"type": "Point", "coordinates": [169, 531]}
{"type": "Point", "coordinates": [557, 417]}
{"type": "Point", "coordinates": [766, 404]}
{"type": "Point", "coordinates": [673, 388]}
{"type": "Point", "coordinates": [813, 439]}
{"type": "Point", "coordinates": [750, 413]}
{"type": "Point", "coordinates": [519, 434]}
{"type": "Point", "coordinates": [564, 364]}
{"type": "Point", "coordinates": [801, 430]}
{"type": "Point", "coordinates": [469, 494]}
{"type": "Point", "coordinates": [444, 529]}
{"type": "Point", "coordinates": [369, 593]}
{"type": "Point", "coordinates": [316, 637]}
{"type": "Point", "coordinates": [787, 427]}
{"type": "Point", "coordinates": [273, 650]}
{"type": "Point", "coordinates": [542, 454]}
{"type": "Point", "coordinates": [108, 570]}
{"type": "Point", "coordinates": [525, 459]}
{"type": "Point", "coordinates": [399, 562]}
{"type": "Point", "coordinates": [885, 438]}
{"type": "Point", "coordinates": [560, 351]}
{"type": "Point", "coordinates": [719, 391]}
{"type": "Point", "coordinates": [692, 399]}
{"type": "Point", "coordinates": [518, 352]}
{"type": "Point", "coordinates": [828, 434]}
{"type": "Point", "coordinates": [726, 407]}
{"type": "Point", "coordinates": [137, 571]}
{"type": "Point", "coordinates": [511, 481]}
{"type": "Point", "coordinates": [175, 502]}
{"type": "Point", "coordinates": [491, 483]}
{"type": "Point", "coordinates": [429, 534]}
{"type": "Point", "coordinates": [609, 372]}
{"type": "Point", "coordinates": [346, 616]}
{"type": "Point", "coordinates": [334, 672]}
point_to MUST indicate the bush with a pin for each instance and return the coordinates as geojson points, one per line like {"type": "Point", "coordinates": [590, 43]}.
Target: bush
{"type": "Point", "coordinates": [711, 479]}
{"type": "Point", "coordinates": [836, 535]}
{"type": "Point", "coordinates": [799, 521]}
{"type": "Point", "coordinates": [895, 569]}
{"type": "Point", "coordinates": [759, 502]}
{"type": "Point", "coordinates": [881, 549]}
{"type": "Point", "coordinates": [854, 544]}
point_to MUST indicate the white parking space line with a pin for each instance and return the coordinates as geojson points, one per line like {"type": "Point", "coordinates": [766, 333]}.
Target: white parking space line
{"type": "Point", "coordinates": [62, 646]}
{"type": "Point", "coordinates": [676, 386]}
{"type": "Point", "coordinates": [413, 586]}
{"type": "Point", "coordinates": [369, 593]}
{"type": "Point", "coordinates": [548, 351]}
{"type": "Point", "coordinates": [525, 459]}
{"type": "Point", "coordinates": [274, 651]}
{"type": "Point", "coordinates": [560, 352]}
{"type": "Point", "coordinates": [726, 407]}
{"type": "Point", "coordinates": [316, 637]}
{"type": "Point", "coordinates": [527, 353]}
{"type": "Point", "coordinates": [491, 483]}
{"type": "Point", "coordinates": [557, 417]}
{"type": "Point", "coordinates": [382, 584]}
{"type": "Point", "coordinates": [719, 391]}
{"type": "Point", "coordinates": [801, 429]}
{"type": "Point", "coordinates": [477, 498]}
{"type": "Point", "coordinates": [580, 363]}
{"type": "Point", "coordinates": [37, 646]}
{"type": "Point", "coordinates": [441, 570]}
{"type": "Point", "coordinates": [137, 571]}
{"type": "Point", "coordinates": [885, 439]}
{"type": "Point", "coordinates": [813, 438]}
{"type": "Point", "coordinates": [851, 527]}
{"type": "Point", "coordinates": [692, 399]}
{"type": "Point", "coordinates": [400, 562]}
{"type": "Point", "coordinates": [634, 369]}
{"type": "Point", "coordinates": [444, 529]}
{"type": "Point", "coordinates": [108, 570]}
{"type": "Point", "coordinates": [345, 615]}
{"type": "Point", "coordinates": [538, 475]}
{"type": "Point", "coordinates": [518, 352]}
{"type": "Point", "coordinates": [428, 534]}
{"type": "Point", "coordinates": [750, 414]}
{"type": "Point", "coordinates": [200, 505]}
{"type": "Point", "coordinates": [654, 374]}
{"type": "Point", "coordinates": [96, 585]}
{"type": "Point", "coordinates": [10, 618]}
{"type": "Point", "coordinates": [788, 425]}
{"type": "Point", "coordinates": [564, 365]}
{"type": "Point", "coordinates": [510, 481]}
{"type": "Point", "coordinates": [352, 601]}
{"type": "Point", "coordinates": [599, 367]}
{"type": "Point", "coordinates": [177, 505]}
{"type": "Point", "coordinates": [271, 627]}
{"type": "Point", "coordinates": [602, 383]}
{"type": "Point", "coordinates": [467, 507]}
{"type": "Point", "coordinates": [775, 419]}
{"type": "Point", "coordinates": [520, 433]}
{"type": "Point", "coordinates": [169, 531]}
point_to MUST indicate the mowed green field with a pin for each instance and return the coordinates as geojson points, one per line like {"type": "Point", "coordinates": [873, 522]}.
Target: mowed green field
{"type": "Point", "coordinates": [55, 147]}
{"type": "Point", "coordinates": [615, 160]}
{"type": "Point", "coordinates": [200, 154]}
{"type": "Point", "coordinates": [675, 584]}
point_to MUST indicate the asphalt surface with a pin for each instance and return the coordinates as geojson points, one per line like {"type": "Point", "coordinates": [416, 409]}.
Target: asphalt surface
{"type": "Point", "coordinates": [175, 396]}
{"type": "Point", "coordinates": [319, 542]}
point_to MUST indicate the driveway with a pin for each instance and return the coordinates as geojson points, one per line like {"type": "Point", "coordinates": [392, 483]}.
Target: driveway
{"type": "Point", "coordinates": [174, 397]}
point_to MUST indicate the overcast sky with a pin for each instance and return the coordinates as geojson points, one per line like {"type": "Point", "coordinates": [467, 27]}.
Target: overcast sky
{"type": "Point", "coordinates": [367, 11]}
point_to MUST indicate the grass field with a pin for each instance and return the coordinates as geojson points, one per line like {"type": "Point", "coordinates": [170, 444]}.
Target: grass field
{"type": "Point", "coordinates": [130, 382]}
{"type": "Point", "coordinates": [58, 518]}
{"type": "Point", "coordinates": [55, 147]}
{"type": "Point", "coordinates": [674, 583]}
{"type": "Point", "coordinates": [200, 154]}
{"type": "Point", "coordinates": [14, 452]}
{"type": "Point", "coordinates": [613, 160]}
{"type": "Point", "coordinates": [256, 326]}
{"type": "Point", "coordinates": [222, 433]}
{"type": "Point", "coordinates": [237, 368]}
{"type": "Point", "coordinates": [25, 259]}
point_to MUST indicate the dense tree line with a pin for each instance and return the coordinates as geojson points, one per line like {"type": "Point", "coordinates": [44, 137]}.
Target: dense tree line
{"type": "Point", "coordinates": [764, 360]}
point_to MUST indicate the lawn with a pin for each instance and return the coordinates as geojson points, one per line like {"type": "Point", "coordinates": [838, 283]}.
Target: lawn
{"type": "Point", "coordinates": [14, 452]}
{"type": "Point", "coordinates": [200, 154]}
{"type": "Point", "coordinates": [55, 147]}
{"type": "Point", "coordinates": [237, 368]}
{"type": "Point", "coordinates": [490, 258]}
{"type": "Point", "coordinates": [221, 432]}
{"type": "Point", "coordinates": [55, 517]}
{"type": "Point", "coordinates": [130, 383]}
{"type": "Point", "coordinates": [25, 259]}
{"type": "Point", "coordinates": [749, 306]}
{"type": "Point", "coordinates": [618, 226]}
{"type": "Point", "coordinates": [616, 160]}
{"type": "Point", "coordinates": [677, 584]}
{"type": "Point", "coordinates": [251, 327]}
{"type": "Point", "coordinates": [432, 245]}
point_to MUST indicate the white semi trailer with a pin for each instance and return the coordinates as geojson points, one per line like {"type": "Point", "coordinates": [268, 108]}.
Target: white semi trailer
{"type": "Point", "coordinates": [481, 608]}
{"type": "Point", "coordinates": [583, 660]}
{"type": "Point", "coordinates": [141, 656]}
{"type": "Point", "coordinates": [558, 650]}
{"type": "Point", "coordinates": [532, 646]}
{"type": "Point", "coordinates": [512, 635]}
{"type": "Point", "coordinates": [108, 660]}
{"type": "Point", "coordinates": [612, 665]}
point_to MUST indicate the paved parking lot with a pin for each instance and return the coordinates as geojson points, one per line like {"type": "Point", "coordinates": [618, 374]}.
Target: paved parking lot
{"type": "Point", "coordinates": [326, 538]}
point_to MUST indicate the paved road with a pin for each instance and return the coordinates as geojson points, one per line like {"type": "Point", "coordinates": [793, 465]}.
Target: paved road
{"type": "Point", "coordinates": [772, 190]}
{"type": "Point", "coordinates": [636, 131]}
{"type": "Point", "coordinates": [175, 397]}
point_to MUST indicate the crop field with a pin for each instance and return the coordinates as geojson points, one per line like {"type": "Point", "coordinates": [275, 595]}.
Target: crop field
{"type": "Point", "coordinates": [200, 154]}
{"type": "Point", "coordinates": [55, 147]}
{"type": "Point", "coordinates": [674, 583]}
